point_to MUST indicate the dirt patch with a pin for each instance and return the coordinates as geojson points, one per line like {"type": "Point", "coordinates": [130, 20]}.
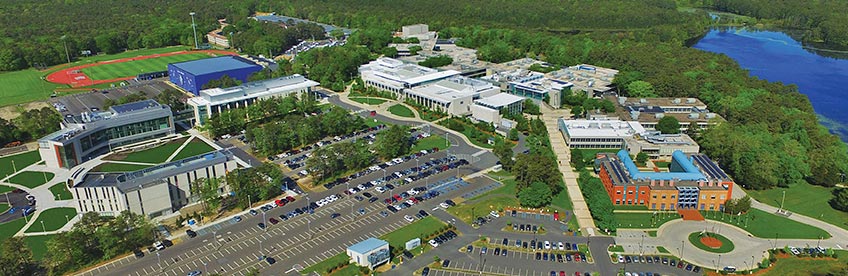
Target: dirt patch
{"type": "Point", "coordinates": [711, 242]}
{"type": "Point", "coordinates": [13, 111]}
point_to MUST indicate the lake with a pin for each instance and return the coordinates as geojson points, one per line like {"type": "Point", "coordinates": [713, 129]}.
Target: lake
{"type": "Point", "coordinates": [775, 56]}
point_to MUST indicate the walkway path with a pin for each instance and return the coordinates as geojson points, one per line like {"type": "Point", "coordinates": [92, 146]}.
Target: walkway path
{"type": "Point", "coordinates": [185, 143]}
{"type": "Point", "coordinates": [43, 196]}
{"type": "Point", "coordinates": [563, 153]}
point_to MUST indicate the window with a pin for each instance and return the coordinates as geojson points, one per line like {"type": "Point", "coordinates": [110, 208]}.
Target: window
{"type": "Point", "coordinates": [703, 196]}
{"type": "Point", "coordinates": [663, 196]}
{"type": "Point", "coordinates": [617, 201]}
{"type": "Point", "coordinates": [672, 196]}
{"type": "Point", "coordinates": [630, 192]}
{"type": "Point", "coordinates": [722, 196]}
{"type": "Point", "coordinates": [655, 196]}
{"type": "Point", "coordinates": [712, 197]}
{"type": "Point", "coordinates": [642, 201]}
{"type": "Point", "coordinates": [653, 206]}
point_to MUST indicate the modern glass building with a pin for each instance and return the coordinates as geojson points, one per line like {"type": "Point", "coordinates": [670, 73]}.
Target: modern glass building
{"type": "Point", "coordinates": [89, 135]}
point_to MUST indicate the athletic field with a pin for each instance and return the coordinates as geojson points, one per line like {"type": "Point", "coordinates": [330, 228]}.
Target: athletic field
{"type": "Point", "coordinates": [134, 67]}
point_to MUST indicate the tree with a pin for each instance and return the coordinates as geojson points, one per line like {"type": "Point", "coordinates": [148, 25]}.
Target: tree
{"type": "Point", "coordinates": [224, 82]}
{"type": "Point", "coordinates": [535, 167]}
{"type": "Point", "coordinates": [641, 89]}
{"type": "Point", "coordinates": [668, 125]}
{"type": "Point", "coordinates": [391, 52]}
{"type": "Point", "coordinates": [337, 34]}
{"type": "Point", "coordinates": [641, 158]}
{"type": "Point", "coordinates": [393, 142]}
{"type": "Point", "coordinates": [840, 199]}
{"type": "Point", "coordinates": [513, 134]}
{"type": "Point", "coordinates": [437, 61]}
{"type": "Point", "coordinates": [537, 195]}
{"type": "Point", "coordinates": [16, 258]}
{"type": "Point", "coordinates": [414, 50]}
{"type": "Point", "coordinates": [503, 150]}
{"type": "Point", "coordinates": [530, 107]}
{"type": "Point", "coordinates": [577, 111]}
{"type": "Point", "coordinates": [577, 158]}
{"type": "Point", "coordinates": [172, 98]}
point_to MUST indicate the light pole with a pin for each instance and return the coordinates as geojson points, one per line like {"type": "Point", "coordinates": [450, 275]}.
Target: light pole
{"type": "Point", "coordinates": [215, 236]}
{"type": "Point", "coordinates": [205, 268]}
{"type": "Point", "coordinates": [67, 219]}
{"type": "Point", "coordinates": [193, 29]}
{"type": "Point", "coordinates": [682, 245]}
{"type": "Point", "coordinates": [384, 174]}
{"type": "Point", "coordinates": [66, 48]}
{"type": "Point", "coordinates": [15, 169]}
{"type": "Point", "coordinates": [249, 204]}
{"type": "Point", "coordinates": [232, 41]}
{"type": "Point", "coordinates": [752, 263]}
{"type": "Point", "coordinates": [719, 261]}
{"type": "Point", "coordinates": [42, 226]}
{"type": "Point", "coordinates": [260, 250]}
{"type": "Point", "coordinates": [781, 201]}
{"type": "Point", "coordinates": [264, 220]}
{"type": "Point", "coordinates": [349, 200]}
{"type": "Point", "coordinates": [159, 260]}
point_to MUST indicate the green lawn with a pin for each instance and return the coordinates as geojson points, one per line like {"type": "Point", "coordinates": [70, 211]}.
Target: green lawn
{"type": "Point", "coordinates": [805, 199]}
{"type": "Point", "coordinates": [371, 101]}
{"type": "Point", "coordinates": [371, 122]}
{"type": "Point", "coordinates": [589, 154]}
{"type": "Point", "coordinates": [118, 167]}
{"type": "Point", "coordinates": [4, 207]}
{"type": "Point", "coordinates": [643, 220]}
{"type": "Point", "coordinates": [195, 147]}
{"type": "Point", "coordinates": [662, 164]}
{"type": "Point", "coordinates": [132, 53]}
{"type": "Point", "coordinates": [418, 229]}
{"type": "Point", "coordinates": [5, 189]}
{"type": "Point", "coordinates": [54, 218]}
{"type": "Point", "coordinates": [21, 160]}
{"type": "Point", "coordinates": [25, 86]}
{"type": "Point", "coordinates": [401, 110]}
{"type": "Point", "coordinates": [8, 229]}
{"type": "Point", "coordinates": [322, 266]}
{"type": "Point", "coordinates": [726, 244]}
{"type": "Point", "coordinates": [60, 192]}
{"type": "Point", "coordinates": [616, 248]}
{"type": "Point", "coordinates": [662, 249]}
{"type": "Point", "coordinates": [154, 155]}
{"type": "Point", "coordinates": [434, 141]}
{"type": "Point", "coordinates": [132, 68]}
{"type": "Point", "coordinates": [31, 179]}
{"type": "Point", "coordinates": [348, 271]}
{"type": "Point", "coordinates": [482, 207]}
{"type": "Point", "coordinates": [38, 245]}
{"type": "Point", "coordinates": [808, 266]}
{"type": "Point", "coordinates": [767, 225]}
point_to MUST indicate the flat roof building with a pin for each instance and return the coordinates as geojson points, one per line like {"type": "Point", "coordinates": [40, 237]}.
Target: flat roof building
{"type": "Point", "coordinates": [89, 135]}
{"type": "Point", "coordinates": [369, 253]}
{"type": "Point", "coordinates": [454, 95]}
{"type": "Point", "coordinates": [154, 191]}
{"type": "Point", "coordinates": [593, 80]}
{"type": "Point", "coordinates": [215, 100]}
{"type": "Point", "coordinates": [649, 111]}
{"type": "Point", "coordinates": [657, 145]}
{"type": "Point", "coordinates": [693, 182]}
{"type": "Point", "coordinates": [393, 75]}
{"type": "Point", "coordinates": [193, 75]}
{"type": "Point", "coordinates": [490, 109]}
{"type": "Point", "coordinates": [598, 134]}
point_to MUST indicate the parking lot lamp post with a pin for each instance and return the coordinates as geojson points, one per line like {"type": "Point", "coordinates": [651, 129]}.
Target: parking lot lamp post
{"type": "Point", "coordinates": [249, 204]}
{"type": "Point", "coordinates": [781, 201]}
{"type": "Point", "coordinates": [752, 264]}
{"type": "Point", "coordinates": [215, 236]}
{"type": "Point", "coordinates": [351, 201]}
{"type": "Point", "coordinates": [719, 261]}
{"type": "Point", "coordinates": [205, 268]}
{"type": "Point", "coordinates": [682, 245]}
{"type": "Point", "coordinates": [260, 250]}
{"type": "Point", "coordinates": [159, 260]}
{"type": "Point", "coordinates": [15, 169]}
{"type": "Point", "coordinates": [264, 220]}
{"type": "Point", "coordinates": [42, 226]}
{"type": "Point", "coordinates": [384, 174]}
{"type": "Point", "coordinates": [67, 219]}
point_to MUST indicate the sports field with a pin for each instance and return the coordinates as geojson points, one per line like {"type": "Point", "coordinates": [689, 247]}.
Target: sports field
{"type": "Point", "coordinates": [134, 67]}
{"type": "Point", "coordinates": [25, 86]}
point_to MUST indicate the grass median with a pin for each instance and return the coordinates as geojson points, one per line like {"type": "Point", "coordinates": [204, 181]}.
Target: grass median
{"type": "Point", "coordinates": [60, 192]}
{"type": "Point", "coordinates": [31, 179]}
{"type": "Point", "coordinates": [769, 226]}
{"type": "Point", "coordinates": [10, 164]}
{"type": "Point", "coordinates": [805, 199]}
{"type": "Point", "coordinates": [401, 110]}
{"type": "Point", "coordinates": [53, 219]}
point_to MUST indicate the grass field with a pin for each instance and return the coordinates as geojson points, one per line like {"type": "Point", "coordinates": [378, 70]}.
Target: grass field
{"type": "Point", "coordinates": [21, 161]}
{"type": "Point", "coordinates": [808, 266]}
{"type": "Point", "coordinates": [118, 167]}
{"type": "Point", "coordinates": [133, 53]}
{"type": "Point", "coordinates": [805, 199]}
{"type": "Point", "coordinates": [322, 266]}
{"type": "Point", "coordinates": [482, 207]}
{"type": "Point", "coordinates": [371, 101]}
{"type": "Point", "coordinates": [132, 68]}
{"type": "Point", "coordinates": [31, 179]}
{"type": "Point", "coordinates": [54, 218]}
{"type": "Point", "coordinates": [401, 110]}
{"type": "Point", "coordinates": [25, 86]}
{"type": "Point", "coordinates": [38, 245]}
{"type": "Point", "coordinates": [154, 155]}
{"type": "Point", "coordinates": [5, 189]}
{"type": "Point", "coordinates": [429, 143]}
{"type": "Point", "coordinates": [631, 207]}
{"type": "Point", "coordinates": [60, 192]}
{"type": "Point", "coordinates": [726, 244]}
{"type": "Point", "coordinates": [195, 147]}
{"type": "Point", "coordinates": [643, 220]}
{"type": "Point", "coordinates": [9, 229]}
{"type": "Point", "coordinates": [418, 229]}
{"type": "Point", "coordinates": [767, 225]}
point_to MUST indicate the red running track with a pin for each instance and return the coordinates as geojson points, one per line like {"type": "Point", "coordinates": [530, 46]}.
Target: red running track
{"type": "Point", "coordinates": [74, 76]}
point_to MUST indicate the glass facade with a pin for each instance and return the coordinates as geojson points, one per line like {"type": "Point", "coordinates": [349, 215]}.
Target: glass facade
{"type": "Point", "coordinates": [138, 128]}
{"type": "Point", "coordinates": [67, 156]}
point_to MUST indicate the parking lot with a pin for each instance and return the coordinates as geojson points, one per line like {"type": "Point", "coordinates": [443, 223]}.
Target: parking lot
{"type": "Point", "coordinates": [75, 104]}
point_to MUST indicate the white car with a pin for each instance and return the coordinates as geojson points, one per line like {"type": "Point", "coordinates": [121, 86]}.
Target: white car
{"type": "Point", "coordinates": [397, 160]}
{"type": "Point", "coordinates": [434, 243]}
{"type": "Point", "coordinates": [412, 192]}
{"type": "Point", "coordinates": [444, 205]}
{"type": "Point", "coordinates": [410, 202]}
{"type": "Point", "coordinates": [620, 259]}
{"type": "Point", "coordinates": [561, 247]}
{"type": "Point", "coordinates": [361, 187]}
{"type": "Point", "coordinates": [303, 172]}
{"type": "Point", "coordinates": [547, 245]}
{"type": "Point", "coordinates": [408, 180]}
{"type": "Point", "coordinates": [380, 190]}
{"type": "Point", "coordinates": [494, 214]}
{"type": "Point", "coordinates": [408, 218]}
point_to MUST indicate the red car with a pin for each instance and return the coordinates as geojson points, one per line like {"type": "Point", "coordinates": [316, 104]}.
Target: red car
{"type": "Point", "coordinates": [274, 221]}
{"type": "Point", "coordinates": [397, 197]}
{"type": "Point", "coordinates": [290, 198]}
{"type": "Point", "coordinates": [577, 257]}
{"type": "Point", "coordinates": [280, 202]}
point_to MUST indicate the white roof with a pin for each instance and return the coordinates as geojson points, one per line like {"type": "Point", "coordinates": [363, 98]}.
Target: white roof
{"type": "Point", "coordinates": [602, 128]}
{"type": "Point", "coordinates": [397, 71]}
{"type": "Point", "coordinates": [447, 90]}
{"type": "Point", "coordinates": [499, 100]}
{"type": "Point", "coordinates": [259, 89]}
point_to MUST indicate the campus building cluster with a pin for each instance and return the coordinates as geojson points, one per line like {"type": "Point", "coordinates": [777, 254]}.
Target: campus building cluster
{"type": "Point", "coordinates": [216, 100]}
{"type": "Point", "coordinates": [629, 135]}
{"type": "Point", "coordinates": [154, 191]}
{"type": "Point", "coordinates": [89, 135]}
{"type": "Point", "coordinates": [649, 111]}
{"type": "Point", "coordinates": [693, 182]}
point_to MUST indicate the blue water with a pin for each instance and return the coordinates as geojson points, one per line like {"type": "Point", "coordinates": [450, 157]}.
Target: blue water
{"type": "Point", "coordinates": [775, 56]}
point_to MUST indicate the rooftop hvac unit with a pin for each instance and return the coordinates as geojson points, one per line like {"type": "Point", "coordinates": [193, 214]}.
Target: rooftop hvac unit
{"type": "Point", "coordinates": [634, 115]}
{"type": "Point", "coordinates": [659, 115]}
{"type": "Point", "coordinates": [643, 100]}
{"type": "Point", "coordinates": [690, 100]}
{"type": "Point", "coordinates": [710, 115]}
{"type": "Point", "coordinates": [676, 101]}
{"type": "Point", "coordinates": [622, 100]}
{"type": "Point", "coordinates": [694, 115]}
{"type": "Point", "coordinates": [591, 82]}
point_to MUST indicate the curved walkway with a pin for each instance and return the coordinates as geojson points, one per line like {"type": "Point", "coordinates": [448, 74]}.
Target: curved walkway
{"type": "Point", "coordinates": [43, 196]}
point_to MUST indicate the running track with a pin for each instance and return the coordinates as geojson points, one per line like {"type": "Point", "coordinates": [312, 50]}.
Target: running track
{"type": "Point", "coordinates": [74, 77]}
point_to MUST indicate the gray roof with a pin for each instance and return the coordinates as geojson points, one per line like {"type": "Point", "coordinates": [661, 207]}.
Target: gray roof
{"type": "Point", "coordinates": [133, 106]}
{"type": "Point", "coordinates": [368, 245]}
{"type": "Point", "coordinates": [216, 64]}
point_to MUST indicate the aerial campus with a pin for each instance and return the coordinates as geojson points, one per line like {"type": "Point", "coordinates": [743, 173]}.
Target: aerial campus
{"type": "Point", "coordinates": [414, 151]}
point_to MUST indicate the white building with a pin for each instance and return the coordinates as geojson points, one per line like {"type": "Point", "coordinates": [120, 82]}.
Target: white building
{"type": "Point", "coordinates": [531, 85]}
{"type": "Point", "coordinates": [657, 145]}
{"type": "Point", "coordinates": [420, 31]}
{"type": "Point", "coordinates": [598, 134]}
{"type": "Point", "coordinates": [393, 75]}
{"type": "Point", "coordinates": [154, 191]}
{"type": "Point", "coordinates": [369, 253]}
{"type": "Point", "coordinates": [454, 95]}
{"type": "Point", "coordinates": [593, 80]}
{"type": "Point", "coordinates": [489, 109]}
{"type": "Point", "coordinates": [215, 100]}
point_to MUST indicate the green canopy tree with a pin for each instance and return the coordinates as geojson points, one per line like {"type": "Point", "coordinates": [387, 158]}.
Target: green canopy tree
{"type": "Point", "coordinates": [668, 125]}
{"type": "Point", "coordinates": [641, 158]}
{"type": "Point", "coordinates": [16, 258]}
{"type": "Point", "coordinates": [537, 195]}
{"type": "Point", "coordinates": [641, 89]}
{"type": "Point", "coordinates": [840, 199]}
{"type": "Point", "coordinates": [393, 142]}
{"type": "Point", "coordinates": [503, 150]}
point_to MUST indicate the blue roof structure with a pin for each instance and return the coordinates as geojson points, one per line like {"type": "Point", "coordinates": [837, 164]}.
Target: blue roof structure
{"type": "Point", "coordinates": [368, 245]}
{"type": "Point", "coordinates": [213, 65]}
{"type": "Point", "coordinates": [690, 172]}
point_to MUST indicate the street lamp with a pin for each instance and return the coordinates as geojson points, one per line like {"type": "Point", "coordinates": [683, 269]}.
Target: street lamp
{"type": "Point", "coordinates": [719, 261]}
{"type": "Point", "coordinates": [205, 268]}
{"type": "Point", "coordinates": [263, 221]}
{"type": "Point", "coordinates": [232, 41]}
{"type": "Point", "coordinates": [42, 226]}
{"type": "Point", "coordinates": [193, 29]}
{"type": "Point", "coordinates": [67, 219]}
{"type": "Point", "coordinates": [66, 48]}
{"type": "Point", "coordinates": [159, 260]}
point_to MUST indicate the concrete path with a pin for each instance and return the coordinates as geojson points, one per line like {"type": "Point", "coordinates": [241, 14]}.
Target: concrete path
{"type": "Point", "coordinates": [43, 196]}
{"type": "Point", "coordinates": [563, 153]}
{"type": "Point", "coordinates": [185, 143]}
